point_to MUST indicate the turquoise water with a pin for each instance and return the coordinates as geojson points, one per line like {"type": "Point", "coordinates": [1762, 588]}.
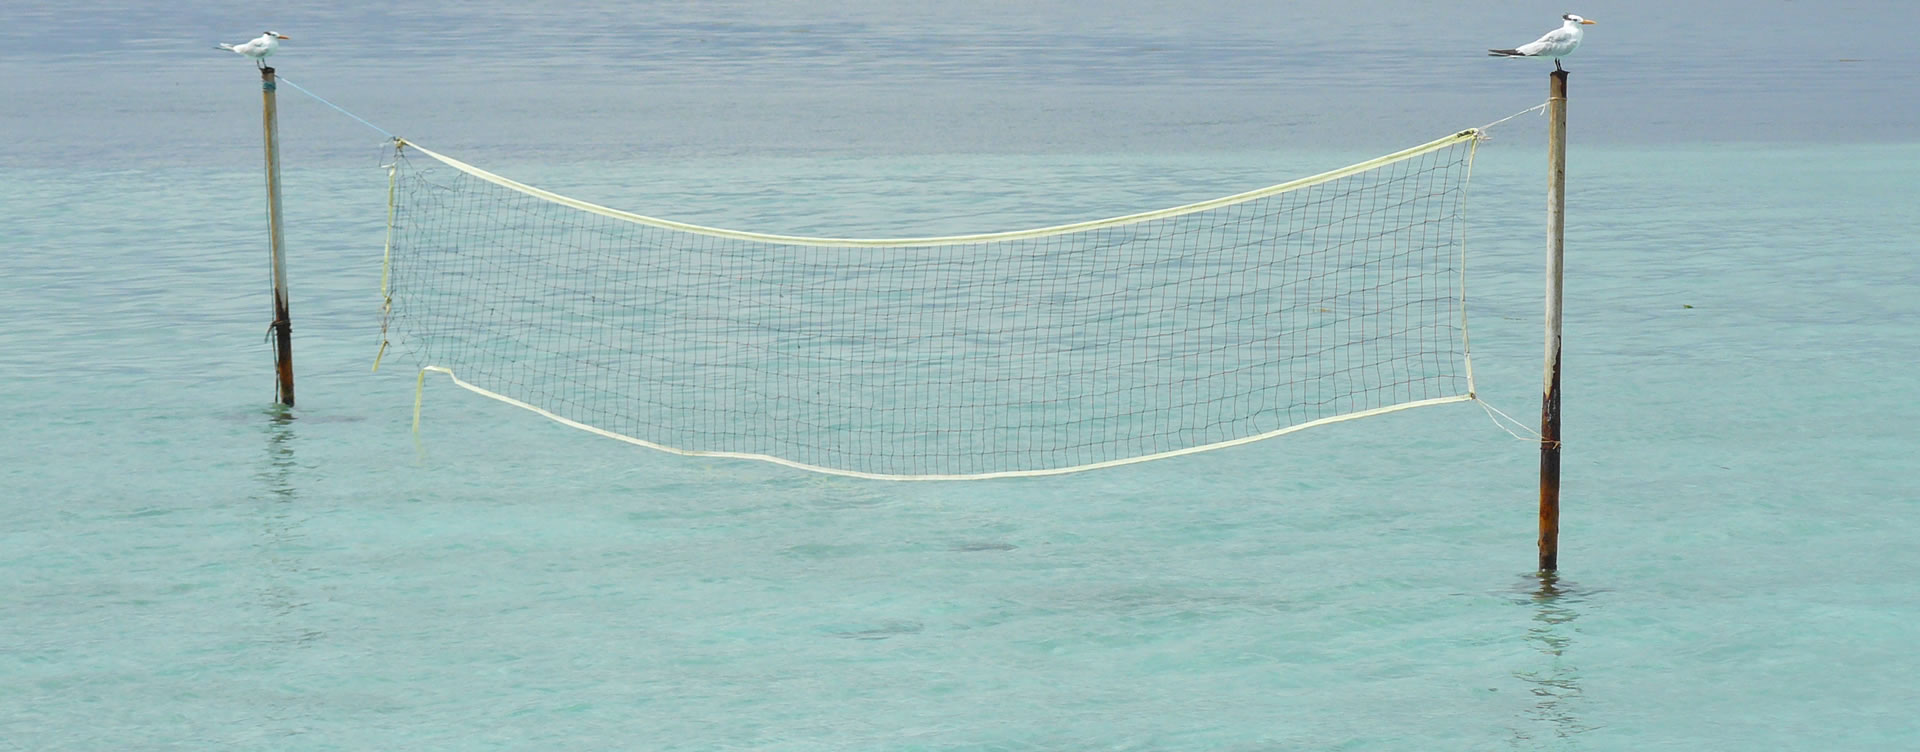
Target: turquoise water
{"type": "Point", "coordinates": [188, 567]}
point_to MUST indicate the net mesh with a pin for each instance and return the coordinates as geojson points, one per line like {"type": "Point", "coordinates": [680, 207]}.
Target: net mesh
{"type": "Point", "coordinates": [1020, 353]}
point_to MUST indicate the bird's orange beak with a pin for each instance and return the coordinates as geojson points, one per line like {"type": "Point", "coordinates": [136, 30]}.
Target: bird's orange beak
{"type": "Point", "coordinates": [283, 36]}
{"type": "Point", "coordinates": [1583, 20]}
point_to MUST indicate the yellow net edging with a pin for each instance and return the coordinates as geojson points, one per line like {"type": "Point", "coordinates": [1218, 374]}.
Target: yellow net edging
{"type": "Point", "coordinates": [1224, 201]}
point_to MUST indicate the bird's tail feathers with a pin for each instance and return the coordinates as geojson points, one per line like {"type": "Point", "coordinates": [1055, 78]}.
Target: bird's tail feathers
{"type": "Point", "coordinates": [224, 46]}
{"type": "Point", "coordinates": [1505, 53]}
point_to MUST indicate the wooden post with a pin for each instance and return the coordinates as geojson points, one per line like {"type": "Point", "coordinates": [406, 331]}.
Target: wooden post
{"type": "Point", "coordinates": [282, 328]}
{"type": "Point", "coordinates": [1550, 396]}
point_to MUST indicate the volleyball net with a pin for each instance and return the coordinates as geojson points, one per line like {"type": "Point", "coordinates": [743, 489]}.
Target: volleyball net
{"type": "Point", "coordinates": [1034, 352]}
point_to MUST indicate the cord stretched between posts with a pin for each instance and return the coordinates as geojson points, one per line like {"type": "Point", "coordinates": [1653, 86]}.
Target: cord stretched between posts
{"type": "Point", "coordinates": [1491, 411]}
{"type": "Point", "coordinates": [1541, 107]}
{"type": "Point", "coordinates": [337, 108]}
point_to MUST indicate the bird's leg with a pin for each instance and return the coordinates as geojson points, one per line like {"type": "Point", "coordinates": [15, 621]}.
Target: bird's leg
{"type": "Point", "coordinates": [1556, 65]}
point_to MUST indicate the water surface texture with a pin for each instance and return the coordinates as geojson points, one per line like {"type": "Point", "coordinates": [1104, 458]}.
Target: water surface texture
{"type": "Point", "coordinates": [187, 567]}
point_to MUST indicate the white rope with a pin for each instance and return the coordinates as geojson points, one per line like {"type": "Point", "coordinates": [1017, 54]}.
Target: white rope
{"type": "Point", "coordinates": [1491, 410]}
{"type": "Point", "coordinates": [1482, 130]}
{"type": "Point", "coordinates": [420, 385]}
{"type": "Point", "coordinates": [337, 108]}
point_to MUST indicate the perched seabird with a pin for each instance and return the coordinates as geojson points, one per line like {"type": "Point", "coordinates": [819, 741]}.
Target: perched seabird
{"type": "Point", "coordinates": [258, 49]}
{"type": "Point", "coordinates": [1555, 44]}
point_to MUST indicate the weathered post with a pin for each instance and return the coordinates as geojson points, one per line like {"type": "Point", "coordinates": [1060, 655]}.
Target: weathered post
{"type": "Point", "coordinates": [1550, 397]}
{"type": "Point", "coordinates": [282, 329]}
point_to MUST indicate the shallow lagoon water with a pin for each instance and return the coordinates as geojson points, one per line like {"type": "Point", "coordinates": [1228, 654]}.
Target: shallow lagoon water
{"type": "Point", "coordinates": [188, 566]}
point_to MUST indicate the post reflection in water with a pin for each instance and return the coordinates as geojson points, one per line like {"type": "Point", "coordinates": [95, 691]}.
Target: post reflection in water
{"type": "Point", "coordinates": [280, 521]}
{"type": "Point", "coordinates": [280, 516]}
{"type": "Point", "coordinates": [1555, 680]}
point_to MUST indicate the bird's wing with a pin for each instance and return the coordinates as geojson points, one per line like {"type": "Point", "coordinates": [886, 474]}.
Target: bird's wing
{"type": "Point", "coordinates": [225, 46]}
{"type": "Point", "coordinates": [1550, 40]}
